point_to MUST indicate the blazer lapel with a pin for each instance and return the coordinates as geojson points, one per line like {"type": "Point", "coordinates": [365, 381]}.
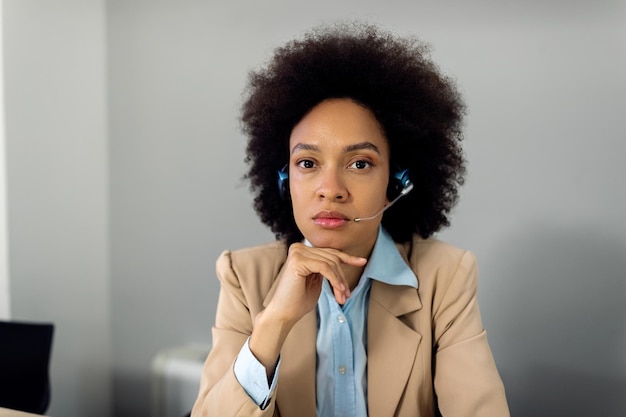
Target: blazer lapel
{"type": "Point", "coordinates": [297, 370]}
{"type": "Point", "coordinates": [392, 345]}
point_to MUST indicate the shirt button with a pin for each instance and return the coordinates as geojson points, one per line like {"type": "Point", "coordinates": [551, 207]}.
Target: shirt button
{"type": "Point", "coordinates": [341, 318]}
{"type": "Point", "coordinates": [342, 370]}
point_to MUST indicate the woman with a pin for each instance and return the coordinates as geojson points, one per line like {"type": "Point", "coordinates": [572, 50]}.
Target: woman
{"type": "Point", "coordinates": [355, 161]}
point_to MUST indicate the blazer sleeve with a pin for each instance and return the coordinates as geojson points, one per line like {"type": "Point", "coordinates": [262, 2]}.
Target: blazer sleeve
{"type": "Point", "coordinates": [467, 383]}
{"type": "Point", "coordinates": [220, 393]}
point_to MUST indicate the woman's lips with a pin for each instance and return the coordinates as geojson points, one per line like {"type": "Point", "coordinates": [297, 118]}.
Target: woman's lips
{"type": "Point", "coordinates": [330, 219]}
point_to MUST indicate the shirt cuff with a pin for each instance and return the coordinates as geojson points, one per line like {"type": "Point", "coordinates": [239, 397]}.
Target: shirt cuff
{"type": "Point", "coordinates": [252, 376]}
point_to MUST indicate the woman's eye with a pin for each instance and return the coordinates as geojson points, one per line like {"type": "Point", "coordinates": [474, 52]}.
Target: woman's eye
{"type": "Point", "coordinates": [361, 164]}
{"type": "Point", "coordinates": [306, 163]}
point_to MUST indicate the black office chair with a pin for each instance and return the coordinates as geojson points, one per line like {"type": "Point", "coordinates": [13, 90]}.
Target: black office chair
{"type": "Point", "coordinates": [24, 365]}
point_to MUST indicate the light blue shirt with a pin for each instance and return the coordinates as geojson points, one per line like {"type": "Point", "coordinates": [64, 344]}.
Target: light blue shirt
{"type": "Point", "coordinates": [341, 376]}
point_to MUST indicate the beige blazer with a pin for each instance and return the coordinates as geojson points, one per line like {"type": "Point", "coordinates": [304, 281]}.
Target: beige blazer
{"type": "Point", "coordinates": [427, 349]}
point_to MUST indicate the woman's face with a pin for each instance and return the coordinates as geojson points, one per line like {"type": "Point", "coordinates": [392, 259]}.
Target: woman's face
{"type": "Point", "coordinates": [338, 170]}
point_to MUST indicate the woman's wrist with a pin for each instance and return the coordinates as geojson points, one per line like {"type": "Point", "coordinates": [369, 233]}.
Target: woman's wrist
{"type": "Point", "coordinates": [268, 336]}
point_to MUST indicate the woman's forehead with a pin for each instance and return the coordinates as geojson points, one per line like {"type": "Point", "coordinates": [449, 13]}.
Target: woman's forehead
{"type": "Point", "coordinates": [340, 125]}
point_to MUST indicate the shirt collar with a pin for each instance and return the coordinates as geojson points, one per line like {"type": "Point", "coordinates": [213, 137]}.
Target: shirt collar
{"type": "Point", "coordinates": [387, 265]}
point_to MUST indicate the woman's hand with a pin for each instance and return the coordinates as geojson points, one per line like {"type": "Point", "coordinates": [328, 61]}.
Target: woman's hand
{"type": "Point", "coordinates": [297, 294]}
{"type": "Point", "coordinates": [301, 280]}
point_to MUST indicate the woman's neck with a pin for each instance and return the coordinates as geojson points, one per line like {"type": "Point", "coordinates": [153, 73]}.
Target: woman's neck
{"type": "Point", "coordinates": [353, 275]}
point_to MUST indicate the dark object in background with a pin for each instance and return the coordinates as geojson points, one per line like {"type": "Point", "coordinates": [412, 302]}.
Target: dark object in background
{"type": "Point", "coordinates": [24, 365]}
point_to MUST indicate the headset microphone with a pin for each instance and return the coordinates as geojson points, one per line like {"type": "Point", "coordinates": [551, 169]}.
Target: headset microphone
{"type": "Point", "coordinates": [408, 186]}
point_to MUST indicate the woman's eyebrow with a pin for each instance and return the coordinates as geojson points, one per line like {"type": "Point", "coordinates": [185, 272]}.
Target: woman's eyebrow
{"type": "Point", "coordinates": [350, 148]}
{"type": "Point", "coordinates": [304, 147]}
{"type": "Point", "coordinates": [362, 146]}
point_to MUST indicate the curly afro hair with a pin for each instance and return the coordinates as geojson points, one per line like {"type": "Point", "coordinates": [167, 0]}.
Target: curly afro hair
{"type": "Point", "coordinates": [419, 109]}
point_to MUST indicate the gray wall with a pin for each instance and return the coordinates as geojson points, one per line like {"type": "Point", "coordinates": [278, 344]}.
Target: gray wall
{"type": "Point", "coordinates": [57, 173]}
{"type": "Point", "coordinates": [125, 158]}
{"type": "Point", "coordinates": [4, 250]}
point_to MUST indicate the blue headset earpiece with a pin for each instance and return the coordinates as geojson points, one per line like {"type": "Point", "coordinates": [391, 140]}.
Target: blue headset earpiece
{"type": "Point", "coordinates": [283, 183]}
{"type": "Point", "coordinates": [400, 183]}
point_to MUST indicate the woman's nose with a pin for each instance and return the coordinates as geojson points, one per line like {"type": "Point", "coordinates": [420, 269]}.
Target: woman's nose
{"type": "Point", "coordinates": [332, 186]}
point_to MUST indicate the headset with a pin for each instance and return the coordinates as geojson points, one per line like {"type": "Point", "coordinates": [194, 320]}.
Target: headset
{"type": "Point", "coordinates": [283, 183]}
{"type": "Point", "coordinates": [399, 184]}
